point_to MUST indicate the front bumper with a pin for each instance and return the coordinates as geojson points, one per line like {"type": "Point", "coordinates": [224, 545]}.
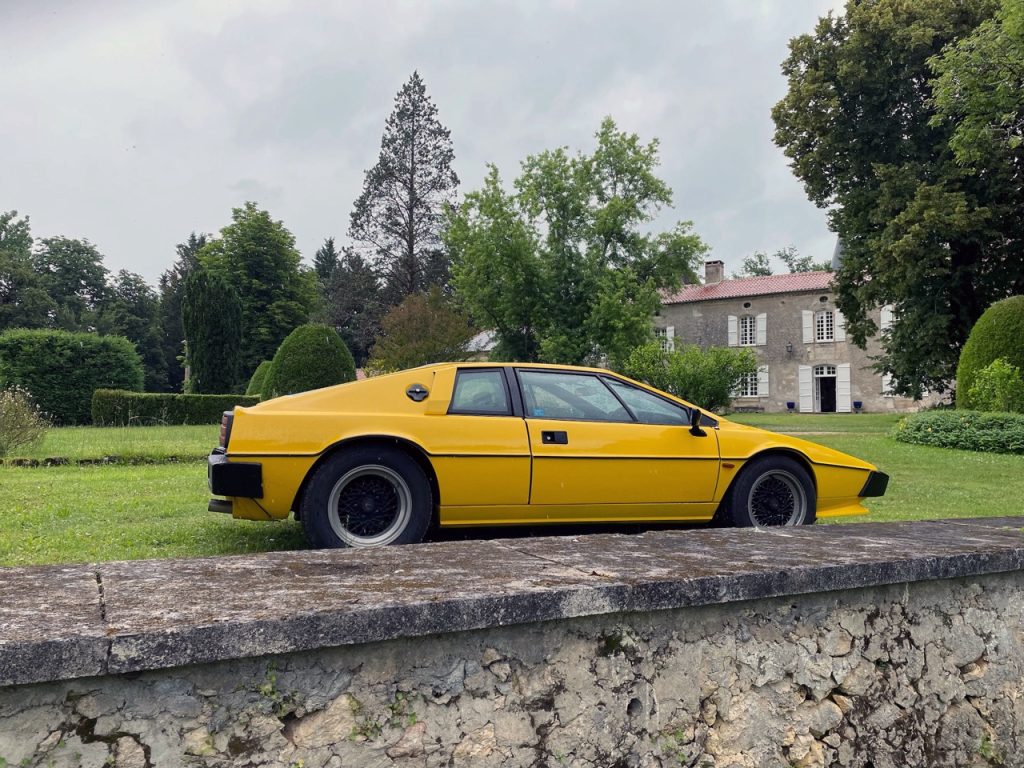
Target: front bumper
{"type": "Point", "coordinates": [233, 478]}
{"type": "Point", "coordinates": [875, 484]}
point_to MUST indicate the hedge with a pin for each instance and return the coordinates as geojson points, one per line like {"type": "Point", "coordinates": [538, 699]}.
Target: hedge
{"type": "Point", "coordinates": [966, 430]}
{"type": "Point", "coordinates": [311, 357]}
{"type": "Point", "coordinates": [118, 408]}
{"type": "Point", "coordinates": [998, 333]}
{"type": "Point", "coordinates": [61, 370]}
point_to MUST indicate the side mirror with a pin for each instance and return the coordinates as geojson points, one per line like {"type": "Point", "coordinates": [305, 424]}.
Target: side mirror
{"type": "Point", "coordinates": [695, 417]}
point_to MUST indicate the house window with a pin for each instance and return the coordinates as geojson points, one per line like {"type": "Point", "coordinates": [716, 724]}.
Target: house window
{"type": "Point", "coordinates": [748, 385]}
{"type": "Point", "coordinates": [748, 331]}
{"type": "Point", "coordinates": [824, 325]}
{"type": "Point", "coordinates": [666, 337]}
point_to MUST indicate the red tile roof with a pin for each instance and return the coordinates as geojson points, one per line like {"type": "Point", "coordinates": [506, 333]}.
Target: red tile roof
{"type": "Point", "coordinates": [752, 286]}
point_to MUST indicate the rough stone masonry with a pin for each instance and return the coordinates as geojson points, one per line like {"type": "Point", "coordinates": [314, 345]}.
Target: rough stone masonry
{"type": "Point", "coordinates": [867, 645]}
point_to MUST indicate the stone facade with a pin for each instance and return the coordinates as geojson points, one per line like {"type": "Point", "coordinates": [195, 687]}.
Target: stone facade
{"type": "Point", "coordinates": [918, 674]}
{"type": "Point", "coordinates": [795, 367]}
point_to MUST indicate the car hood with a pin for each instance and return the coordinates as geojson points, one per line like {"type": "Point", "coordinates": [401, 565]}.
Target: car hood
{"type": "Point", "coordinates": [739, 441]}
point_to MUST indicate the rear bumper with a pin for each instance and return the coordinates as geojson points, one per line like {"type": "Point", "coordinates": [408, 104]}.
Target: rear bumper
{"type": "Point", "coordinates": [875, 484]}
{"type": "Point", "coordinates": [233, 478]}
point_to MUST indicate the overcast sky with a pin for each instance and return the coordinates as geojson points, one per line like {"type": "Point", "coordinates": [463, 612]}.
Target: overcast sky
{"type": "Point", "coordinates": [134, 123]}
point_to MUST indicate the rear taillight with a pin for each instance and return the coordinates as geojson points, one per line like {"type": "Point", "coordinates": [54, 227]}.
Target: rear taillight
{"type": "Point", "coordinates": [225, 427]}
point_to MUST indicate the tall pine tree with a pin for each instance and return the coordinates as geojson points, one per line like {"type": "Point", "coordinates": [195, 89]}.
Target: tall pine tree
{"type": "Point", "coordinates": [171, 287]}
{"type": "Point", "coordinates": [325, 261]}
{"type": "Point", "coordinates": [398, 217]}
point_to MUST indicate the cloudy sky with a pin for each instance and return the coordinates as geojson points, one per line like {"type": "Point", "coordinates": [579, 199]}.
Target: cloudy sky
{"type": "Point", "coordinates": [134, 123]}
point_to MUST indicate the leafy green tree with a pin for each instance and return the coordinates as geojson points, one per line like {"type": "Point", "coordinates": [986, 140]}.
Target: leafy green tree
{"type": "Point", "coordinates": [72, 274]}
{"type": "Point", "coordinates": [425, 328]}
{"type": "Point", "coordinates": [565, 269]}
{"type": "Point", "coordinates": [313, 356]}
{"type": "Point", "coordinates": [131, 309]}
{"type": "Point", "coordinates": [353, 304]}
{"type": "Point", "coordinates": [326, 260]}
{"type": "Point", "coordinates": [397, 219]}
{"type": "Point", "coordinates": [498, 269]}
{"type": "Point", "coordinates": [704, 377]}
{"type": "Point", "coordinates": [796, 263]}
{"type": "Point", "coordinates": [258, 377]}
{"type": "Point", "coordinates": [920, 232]}
{"type": "Point", "coordinates": [211, 313]}
{"type": "Point", "coordinates": [979, 91]}
{"type": "Point", "coordinates": [256, 256]}
{"type": "Point", "coordinates": [756, 264]}
{"type": "Point", "coordinates": [24, 302]}
{"type": "Point", "coordinates": [172, 330]}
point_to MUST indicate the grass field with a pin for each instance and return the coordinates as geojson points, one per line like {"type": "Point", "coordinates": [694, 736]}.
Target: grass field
{"type": "Point", "coordinates": [115, 512]}
{"type": "Point", "coordinates": [126, 442]}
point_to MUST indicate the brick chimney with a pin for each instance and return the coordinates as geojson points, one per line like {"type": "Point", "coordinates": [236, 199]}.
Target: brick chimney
{"type": "Point", "coordinates": [714, 272]}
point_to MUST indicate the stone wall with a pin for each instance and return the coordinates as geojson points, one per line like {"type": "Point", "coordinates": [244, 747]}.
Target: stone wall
{"type": "Point", "coordinates": [753, 667]}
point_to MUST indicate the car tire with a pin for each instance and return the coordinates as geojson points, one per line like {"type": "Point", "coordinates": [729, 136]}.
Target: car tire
{"type": "Point", "coordinates": [772, 491]}
{"type": "Point", "coordinates": [366, 497]}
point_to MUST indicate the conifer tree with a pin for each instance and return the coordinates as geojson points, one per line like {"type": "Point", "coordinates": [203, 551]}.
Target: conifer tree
{"type": "Point", "coordinates": [398, 217]}
{"type": "Point", "coordinates": [211, 313]}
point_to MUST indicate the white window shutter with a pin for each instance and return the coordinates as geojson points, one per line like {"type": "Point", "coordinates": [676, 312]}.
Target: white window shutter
{"type": "Point", "coordinates": [806, 397]}
{"type": "Point", "coordinates": [762, 381]}
{"type": "Point", "coordinates": [733, 335]}
{"type": "Point", "coordinates": [808, 327]}
{"type": "Point", "coordinates": [887, 384]}
{"type": "Point", "coordinates": [840, 326]}
{"type": "Point", "coordinates": [843, 388]}
{"type": "Point", "coordinates": [670, 337]}
{"type": "Point", "coordinates": [885, 321]}
{"type": "Point", "coordinates": [762, 329]}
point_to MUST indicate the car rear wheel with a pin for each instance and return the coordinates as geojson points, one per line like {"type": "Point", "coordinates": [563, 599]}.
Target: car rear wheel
{"type": "Point", "coordinates": [366, 497]}
{"type": "Point", "coordinates": [772, 491]}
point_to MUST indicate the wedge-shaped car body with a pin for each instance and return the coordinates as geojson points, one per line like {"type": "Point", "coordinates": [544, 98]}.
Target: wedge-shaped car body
{"type": "Point", "coordinates": [378, 461]}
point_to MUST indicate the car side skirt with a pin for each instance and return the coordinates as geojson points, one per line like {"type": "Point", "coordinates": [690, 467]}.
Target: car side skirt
{"type": "Point", "coordinates": [522, 514]}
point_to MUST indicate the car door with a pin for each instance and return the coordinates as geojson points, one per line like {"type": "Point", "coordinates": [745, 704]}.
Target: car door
{"type": "Point", "coordinates": [597, 440]}
{"type": "Point", "coordinates": [479, 447]}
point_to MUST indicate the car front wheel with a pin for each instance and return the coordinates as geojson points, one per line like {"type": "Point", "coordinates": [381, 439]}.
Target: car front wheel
{"type": "Point", "coordinates": [772, 491]}
{"type": "Point", "coordinates": [366, 497]}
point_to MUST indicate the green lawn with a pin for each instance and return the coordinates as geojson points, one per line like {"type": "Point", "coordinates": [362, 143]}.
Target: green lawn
{"type": "Point", "coordinates": [116, 512]}
{"type": "Point", "coordinates": [153, 443]}
{"type": "Point", "coordinates": [81, 514]}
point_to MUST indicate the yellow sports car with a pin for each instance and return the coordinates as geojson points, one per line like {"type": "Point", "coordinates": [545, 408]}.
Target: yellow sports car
{"type": "Point", "coordinates": [375, 462]}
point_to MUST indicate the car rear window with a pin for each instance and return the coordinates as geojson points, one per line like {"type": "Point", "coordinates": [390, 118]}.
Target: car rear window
{"type": "Point", "coordinates": [480, 392]}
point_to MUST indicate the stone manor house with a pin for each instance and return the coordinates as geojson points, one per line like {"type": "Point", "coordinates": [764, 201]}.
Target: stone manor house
{"type": "Point", "coordinates": [805, 362]}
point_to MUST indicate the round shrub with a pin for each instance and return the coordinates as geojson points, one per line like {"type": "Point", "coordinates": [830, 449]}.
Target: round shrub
{"type": "Point", "coordinates": [312, 356]}
{"type": "Point", "coordinates": [258, 377]}
{"type": "Point", "coordinates": [63, 369]}
{"type": "Point", "coordinates": [999, 332]}
{"type": "Point", "coordinates": [966, 430]}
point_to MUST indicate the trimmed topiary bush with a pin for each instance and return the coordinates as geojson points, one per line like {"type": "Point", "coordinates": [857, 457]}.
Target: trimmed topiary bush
{"type": "Point", "coordinates": [258, 377]}
{"type": "Point", "coordinates": [998, 333]}
{"type": "Point", "coordinates": [311, 357]}
{"type": "Point", "coordinates": [118, 408]}
{"type": "Point", "coordinates": [998, 386]}
{"type": "Point", "coordinates": [63, 369]}
{"type": "Point", "coordinates": [966, 430]}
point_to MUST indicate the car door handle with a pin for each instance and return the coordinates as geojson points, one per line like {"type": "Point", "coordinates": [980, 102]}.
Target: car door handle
{"type": "Point", "coordinates": [554, 437]}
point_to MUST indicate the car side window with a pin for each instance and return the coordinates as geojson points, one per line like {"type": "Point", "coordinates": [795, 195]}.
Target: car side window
{"type": "Point", "coordinates": [480, 392]}
{"type": "Point", "coordinates": [648, 408]}
{"type": "Point", "coordinates": [552, 395]}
